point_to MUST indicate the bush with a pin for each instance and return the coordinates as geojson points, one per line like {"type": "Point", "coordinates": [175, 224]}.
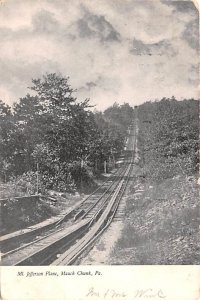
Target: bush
{"type": "Point", "coordinates": [169, 136]}
{"type": "Point", "coordinates": [26, 183]}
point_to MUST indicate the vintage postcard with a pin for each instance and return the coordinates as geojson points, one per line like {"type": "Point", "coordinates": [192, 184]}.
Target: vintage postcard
{"type": "Point", "coordinates": [99, 149]}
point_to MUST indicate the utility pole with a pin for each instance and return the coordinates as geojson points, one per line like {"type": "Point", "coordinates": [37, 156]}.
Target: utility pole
{"type": "Point", "coordinates": [37, 179]}
{"type": "Point", "coordinates": [105, 171]}
{"type": "Point", "coordinates": [82, 164]}
{"type": "Point", "coordinates": [96, 165]}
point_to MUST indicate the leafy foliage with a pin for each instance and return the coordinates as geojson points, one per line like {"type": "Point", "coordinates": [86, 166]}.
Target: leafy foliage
{"type": "Point", "coordinates": [169, 137]}
{"type": "Point", "coordinates": [55, 131]}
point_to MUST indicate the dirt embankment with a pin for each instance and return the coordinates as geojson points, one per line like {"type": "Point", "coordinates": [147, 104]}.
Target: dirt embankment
{"type": "Point", "coordinates": [161, 224]}
{"type": "Point", "coordinates": [17, 214]}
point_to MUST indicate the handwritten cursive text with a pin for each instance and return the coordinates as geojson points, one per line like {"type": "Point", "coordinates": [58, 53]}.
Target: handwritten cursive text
{"type": "Point", "coordinates": [149, 293]}
{"type": "Point", "coordinates": [107, 294]}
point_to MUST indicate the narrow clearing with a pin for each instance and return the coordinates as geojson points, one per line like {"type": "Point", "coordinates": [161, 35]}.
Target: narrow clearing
{"type": "Point", "coordinates": [102, 250]}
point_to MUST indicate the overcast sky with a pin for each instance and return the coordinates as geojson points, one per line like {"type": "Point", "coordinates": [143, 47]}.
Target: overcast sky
{"type": "Point", "coordinates": [112, 50]}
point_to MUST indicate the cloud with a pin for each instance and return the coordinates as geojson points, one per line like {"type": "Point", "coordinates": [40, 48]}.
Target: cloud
{"type": "Point", "coordinates": [191, 34]}
{"type": "Point", "coordinates": [96, 26]}
{"type": "Point", "coordinates": [45, 22]}
{"type": "Point", "coordinates": [194, 74]}
{"type": "Point", "coordinates": [182, 6]}
{"type": "Point", "coordinates": [21, 76]}
{"type": "Point", "coordinates": [162, 47]}
{"type": "Point", "coordinates": [111, 50]}
{"type": "Point", "coordinates": [187, 13]}
{"type": "Point", "coordinates": [88, 86]}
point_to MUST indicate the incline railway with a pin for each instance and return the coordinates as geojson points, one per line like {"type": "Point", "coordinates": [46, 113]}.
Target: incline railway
{"type": "Point", "coordinates": [78, 211]}
{"type": "Point", "coordinates": [74, 231]}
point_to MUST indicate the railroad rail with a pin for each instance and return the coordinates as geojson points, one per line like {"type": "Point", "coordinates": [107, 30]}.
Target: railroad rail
{"type": "Point", "coordinates": [40, 250]}
{"type": "Point", "coordinates": [88, 220]}
{"type": "Point", "coordinates": [97, 229]}
{"type": "Point", "coordinates": [78, 211]}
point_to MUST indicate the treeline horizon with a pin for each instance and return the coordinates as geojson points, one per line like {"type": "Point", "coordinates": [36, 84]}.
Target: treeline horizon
{"type": "Point", "coordinates": [53, 133]}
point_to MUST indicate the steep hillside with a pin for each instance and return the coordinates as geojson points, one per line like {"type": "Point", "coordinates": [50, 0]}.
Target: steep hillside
{"type": "Point", "coordinates": [162, 218]}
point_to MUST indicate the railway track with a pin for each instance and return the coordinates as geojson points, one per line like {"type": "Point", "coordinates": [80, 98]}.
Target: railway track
{"type": "Point", "coordinates": [87, 221]}
{"type": "Point", "coordinates": [40, 251]}
{"type": "Point", "coordinates": [72, 254]}
{"type": "Point", "coordinates": [79, 211]}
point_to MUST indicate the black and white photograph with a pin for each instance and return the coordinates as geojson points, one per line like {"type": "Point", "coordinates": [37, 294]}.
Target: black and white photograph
{"type": "Point", "coordinates": [99, 133]}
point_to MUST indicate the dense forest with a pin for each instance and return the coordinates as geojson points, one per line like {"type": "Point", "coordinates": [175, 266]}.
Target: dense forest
{"type": "Point", "coordinates": [53, 133]}
{"type": "Point", "coordinates": [51, 142]}
{"type": "Point", "coordinates": [169, 138]}
{"type": "Point", "coordinates": [161, 223]}
{"type": "Point", "coordinates": [67, 141]}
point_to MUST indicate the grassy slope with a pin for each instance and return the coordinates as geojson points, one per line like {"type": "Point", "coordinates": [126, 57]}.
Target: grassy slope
{"type": "Point", "coordinates": [161, 224]}
{"type": "Point", "coordinates": [162, 214]}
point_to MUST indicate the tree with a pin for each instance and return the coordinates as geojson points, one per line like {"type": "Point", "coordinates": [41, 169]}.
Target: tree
{"type": "Point", "coordinates": [60, 133]}
{"type": "Point", "coordinates": [55, 95]}
{"type": "Point", "coordinates": [6, 146]}
{"type": "Point", "coordinates": [69, 126]}
{"type": "Point", "coordinates": [169, 134]}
